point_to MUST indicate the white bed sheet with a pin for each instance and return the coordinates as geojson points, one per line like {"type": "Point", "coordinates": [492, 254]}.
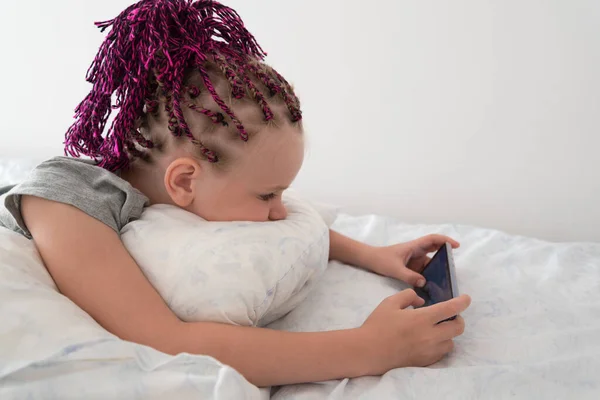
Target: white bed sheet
{"type": "Point", "coordinates": [13, 170]}
{"type": "Point", "coordinates": [533, 330]}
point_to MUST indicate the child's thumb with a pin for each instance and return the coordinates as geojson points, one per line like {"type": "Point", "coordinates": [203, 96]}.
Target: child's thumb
{"type": "Point", "coordinates": [413, 278]}
{"type": "Point", "coordinates": [403, 299]}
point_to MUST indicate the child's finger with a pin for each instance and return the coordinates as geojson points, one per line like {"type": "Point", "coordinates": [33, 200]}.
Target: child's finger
{"type": "Point", "coordinates": [455, 244]}
{"type": "Point", "coordinates": [451, 329]}
{"type": "Point", "coordinates": [447, 309]}
{"type": "Point", "coordinates": [405, 298]}
{"type": "Point", "coordinates": [419, 266]}
{"type": "Point", "coordinates": [434, 241]}
{"type": "Point", "coordinates": [441, 239]}
{"type": "Point", "coordinates": [411, 277]}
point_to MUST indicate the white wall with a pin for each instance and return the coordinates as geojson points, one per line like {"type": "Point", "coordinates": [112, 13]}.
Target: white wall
{"type": "Point", "coordinates": [471, 111]}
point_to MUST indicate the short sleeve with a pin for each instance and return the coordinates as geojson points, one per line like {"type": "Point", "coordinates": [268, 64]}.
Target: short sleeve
{"type": "Point", "coordinates": [97, 192]}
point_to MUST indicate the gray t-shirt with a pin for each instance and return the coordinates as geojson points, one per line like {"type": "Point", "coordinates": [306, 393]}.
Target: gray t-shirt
{"type": "Point", "coordinates": [95, 191]}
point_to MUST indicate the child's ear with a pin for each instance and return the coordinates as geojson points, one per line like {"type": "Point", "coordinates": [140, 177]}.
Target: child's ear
{"type": "Point", "coordinates": [180, 181]}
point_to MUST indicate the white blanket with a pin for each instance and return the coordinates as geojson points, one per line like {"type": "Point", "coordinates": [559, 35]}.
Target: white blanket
{"type": "Point", "coordinates": [51, 349]}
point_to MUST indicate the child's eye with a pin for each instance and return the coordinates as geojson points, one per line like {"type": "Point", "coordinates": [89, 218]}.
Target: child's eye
{"type": "Point", "coordinates": [267, 197]}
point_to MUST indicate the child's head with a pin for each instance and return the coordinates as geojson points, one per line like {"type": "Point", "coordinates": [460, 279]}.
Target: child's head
{"type": "Point", "coordinates": [199, 111]}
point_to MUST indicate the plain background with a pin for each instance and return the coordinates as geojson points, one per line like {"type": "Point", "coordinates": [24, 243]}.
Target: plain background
{"type": "Point", "coordinates": [477, 112]}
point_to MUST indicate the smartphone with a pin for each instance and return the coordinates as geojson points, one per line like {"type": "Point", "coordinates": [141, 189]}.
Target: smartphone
{"type": "Point", "coordinates": [441, 278]}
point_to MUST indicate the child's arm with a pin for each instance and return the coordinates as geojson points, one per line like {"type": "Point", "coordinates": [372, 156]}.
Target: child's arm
{"type": "Point", "coordinates": [403, 261]}
{"type": "Point", "coordinates": [349, 251]}
{"type": "Point", "coordinates": [91, 266]}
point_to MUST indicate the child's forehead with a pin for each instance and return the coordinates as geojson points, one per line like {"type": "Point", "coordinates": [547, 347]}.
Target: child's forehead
{"type": "Point", "coordinates": [274, 159]}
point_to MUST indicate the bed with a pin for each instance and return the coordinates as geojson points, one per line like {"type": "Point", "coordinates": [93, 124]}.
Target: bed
{"type": "Point", "coordinates": [533, 330]}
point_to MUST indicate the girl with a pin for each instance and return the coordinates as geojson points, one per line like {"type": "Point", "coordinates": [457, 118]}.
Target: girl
{"type": "Point", "coordinates": [205, 125]}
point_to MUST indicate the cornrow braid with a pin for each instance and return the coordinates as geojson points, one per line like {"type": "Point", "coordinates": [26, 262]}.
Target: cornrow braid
{"type": "Point", "coordinates": [152, 107]}
{"type": "Point", "coordinates": [282, 87]}
{"type": "Point", "coordinates": [237, 86]}
{"type": "Point", "coordinates": [177, 112]}
{"type": "Point", "coordinates": [130, 146]}
{"type": "Point", "coordinates": [193, 91]}
{"type": "Point", "coordinates": [173, 123]}
{"type": "Point", "coordinates": [221, 103]}
{"type": "Point", "coordinates": [291, 101]}
{"type": "Point", "coordinates": [142, 62]}
{"type": "Point", "coordinates": [141, 140]}
{"type": "Point", "coordinates": [258, 96]}
{"type": "Point", "coordinates": [217, 118]}
{"type": "Point", "coordinates": [268, 81]}
{"type": "Point", "coordinates": [210, 155]}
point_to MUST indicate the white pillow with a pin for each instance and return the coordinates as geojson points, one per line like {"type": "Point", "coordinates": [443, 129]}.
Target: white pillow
{"type": "Point", "coordinates": [243, 273]}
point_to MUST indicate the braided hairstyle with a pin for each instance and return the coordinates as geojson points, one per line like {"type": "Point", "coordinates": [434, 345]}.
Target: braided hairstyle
{"type": "Point", "coordinates": [155, 59]}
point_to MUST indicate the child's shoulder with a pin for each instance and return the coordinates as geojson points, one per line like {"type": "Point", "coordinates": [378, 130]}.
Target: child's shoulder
{"type": "Point", "coordinates": [79, 183]}
{"type": "Point", "coordinates": [76, 174]}
{"type": "Point", "coordinates": [67, 164]}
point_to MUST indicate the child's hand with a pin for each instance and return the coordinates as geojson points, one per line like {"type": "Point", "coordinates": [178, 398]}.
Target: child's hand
{"type": "Point", "coordinates": [405, 261]}
{"type": "Point", "coordinates": [399, 337]}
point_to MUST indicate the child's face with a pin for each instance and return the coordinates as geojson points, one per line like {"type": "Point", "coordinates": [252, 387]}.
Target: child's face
{"type": "Point", "coordinates": [251, 190]}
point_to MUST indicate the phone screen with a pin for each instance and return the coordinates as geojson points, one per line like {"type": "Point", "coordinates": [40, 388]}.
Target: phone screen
{"type": "Point", "coordinates": [437, 274]}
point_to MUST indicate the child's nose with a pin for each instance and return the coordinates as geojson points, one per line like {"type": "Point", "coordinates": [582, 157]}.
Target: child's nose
{"type": "Point", "coordinates": [278, 212]}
